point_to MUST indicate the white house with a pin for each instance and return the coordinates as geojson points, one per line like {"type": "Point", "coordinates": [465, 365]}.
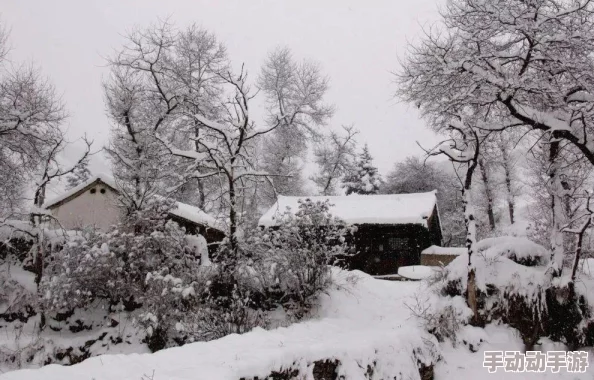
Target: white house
{"type": "Point", "coordinates": [94, 203]}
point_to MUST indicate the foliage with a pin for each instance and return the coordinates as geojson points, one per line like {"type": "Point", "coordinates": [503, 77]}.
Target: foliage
{"type": "Point", "coordinates": [113, 266]}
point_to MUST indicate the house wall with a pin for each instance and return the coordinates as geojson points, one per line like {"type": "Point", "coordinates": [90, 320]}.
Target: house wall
{"type": "Point", "coordinates": [382, 249]}
{"type": "Point", "coordinates": [99, 210]}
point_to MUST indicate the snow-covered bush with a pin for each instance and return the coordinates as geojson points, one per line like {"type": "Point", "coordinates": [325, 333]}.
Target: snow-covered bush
{"type": "Point", "coordinates": [514, 287]}
{"type": "Point", "coordinates": [18, 297]}
{"type": "Point", "coordinates": [440, 316]}
{"type": "Point", "coordinates": [140, 264]}
{"type": "Point", "coordinates": [288, 265]}
{"type": "Point", "coordinates": [278, 271]}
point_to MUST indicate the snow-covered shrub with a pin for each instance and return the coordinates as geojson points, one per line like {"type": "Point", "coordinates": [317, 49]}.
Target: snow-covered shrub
{"type": "Point", "coordinates": [440, 316]}
{"type": "Point", "coordinates": [145, 264]}
{"type": "Point", "coordinates": [514, 287]}
{"type": "Point", "coordinates": [18, 297]}
{"type": "Point", "coordinates": [288, 265]}
{"type": "Point", "coordinates": [517, 249]}
{"type": "Point", "coordinates": [280, 270]}
{"type": "Point", "coordinates": [113, 266]}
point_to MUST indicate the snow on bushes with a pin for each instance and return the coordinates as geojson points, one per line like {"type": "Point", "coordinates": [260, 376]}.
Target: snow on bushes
{"type": "Point", "coordinates": [287, 265]}
{"type": "Point", "coordinates": [517, 249]}
{"type": "Point", "coordinates": [172, 293]}
{"type": "Point", "coordinates": [358, 330]}
{"type": "Point", "coordinates": [514, 287]}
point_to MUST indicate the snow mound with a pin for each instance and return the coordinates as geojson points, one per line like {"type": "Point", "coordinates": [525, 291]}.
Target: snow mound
{"type": "Point", "coordinates": [348, 326]}
{"type": "Point", "coordinates": [518, 249]}
{"type": "Point", "coordinates": [416, 272]}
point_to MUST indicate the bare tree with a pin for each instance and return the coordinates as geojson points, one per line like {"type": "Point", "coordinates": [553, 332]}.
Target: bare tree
{"type": "Point", "coordinates": [160, 80]}
{"type": "Point", "coordinates": [335, 156]}
{"type": "Point", "coordinates": [510, 60]}
{"type": "Point", "coordinates": [229, 148]}
{"type": "Point", "coordinates": [463, 147]}
{"type": "Point", "coordinates": [295, 95]}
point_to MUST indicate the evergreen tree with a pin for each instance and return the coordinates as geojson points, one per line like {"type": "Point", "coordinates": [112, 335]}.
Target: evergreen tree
{"type": "Point", "coordinates": [79, 175]}
{"type": "Point", "coordinates": [365, 178]}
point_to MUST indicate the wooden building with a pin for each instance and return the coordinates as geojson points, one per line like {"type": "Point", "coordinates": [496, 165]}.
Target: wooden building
{"type": "Point", "coordinates": [392, 229]}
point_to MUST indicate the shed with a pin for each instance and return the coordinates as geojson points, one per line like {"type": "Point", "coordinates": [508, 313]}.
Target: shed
{"type": "Point", "coordinates": [95, 203]}
{"type": "Point", "coordinates": [392, 229]}
{"type": "Point", "coordinates": [437, 256]}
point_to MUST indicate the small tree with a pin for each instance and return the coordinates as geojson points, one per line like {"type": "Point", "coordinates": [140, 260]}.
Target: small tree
{"type": "Point", "coordinates": [364, 178]}
{"type": "Point", "coordinates": [463, 147]}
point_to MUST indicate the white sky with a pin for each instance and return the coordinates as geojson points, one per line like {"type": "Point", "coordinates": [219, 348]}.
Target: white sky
{"type": "Point", "coordinates": [357, 43]}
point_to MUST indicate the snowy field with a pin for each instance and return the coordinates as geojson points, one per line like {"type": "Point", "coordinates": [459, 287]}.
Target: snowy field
{"type": "Point", "coordinates": [361, 321]}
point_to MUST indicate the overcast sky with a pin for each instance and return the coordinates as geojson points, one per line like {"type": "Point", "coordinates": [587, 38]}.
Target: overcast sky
{"type": "Point", "coordinates": [356, 42]}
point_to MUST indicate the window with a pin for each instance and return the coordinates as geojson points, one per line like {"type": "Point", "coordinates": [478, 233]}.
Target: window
{"type": "Point", "coordinates": [102, 191]}
{"type": "Point", "coordinates": [398, 244]}
{"type": "Point", "coordinates": [93, 191]}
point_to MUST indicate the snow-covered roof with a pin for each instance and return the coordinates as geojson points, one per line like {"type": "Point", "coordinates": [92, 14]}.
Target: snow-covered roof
{"type": "Point", "coordinates": [364, 209]}
{"type": "Point", "coordinates": [105, 178]}
{"type": "Point", "coordinates": [437, 250]}
{"type": "Point", "coordinates": [194, 214]}
{"type": "Point", "coordinates": [185, 211]}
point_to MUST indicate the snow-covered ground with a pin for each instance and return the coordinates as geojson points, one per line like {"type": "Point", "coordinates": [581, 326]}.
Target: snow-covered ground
{"type": "Point", "coordinates": [361, 321]}
{"type": "Point", "coordinates": [458, 363]}
{"type": "Point", "coordinates": [416, 272]}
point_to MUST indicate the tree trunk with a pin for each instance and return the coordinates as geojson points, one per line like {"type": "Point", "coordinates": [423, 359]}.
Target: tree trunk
{"type": "Point", "coordinates": [579, 244]}
{"type": "Point", "coordinates": [557, 207]}
{"type": "Point", "coordinates": [488, 194]}
{"type": "Point", "coordinates": [508, 187]}
{"type": "Point", "coordinates": [232, 216]}
{"type": "Point", "coordinates": [201, 195]}
{"type": "Point", "coordinates": [470, 223]}
{"type": "Point", "coordinates": [510, 207]}
{"type": "Point", "coordinates": [507, 171]}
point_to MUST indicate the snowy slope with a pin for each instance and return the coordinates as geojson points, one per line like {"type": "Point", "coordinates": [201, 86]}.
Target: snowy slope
{"type": "Point", "coordinates": [360, 321]}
